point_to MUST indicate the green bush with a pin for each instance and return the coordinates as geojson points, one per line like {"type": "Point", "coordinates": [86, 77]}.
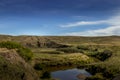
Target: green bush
{"type": "Point", "coordinates": [92, 53]}
{"type": "Point", "coordinates": [104, 72]}
{"type": "Point", "coordinates": [52, 52]}
{"type": "Point", "coordinates": [96, 77]}
{"type": "Point", "coordinates": [22, 51]}
{"type": "Point", "coordinates": [69, 50]}
{"type": "Point", "coordinates": [25, 53]}
{"type": "Point", "coordinates": [93, 69]}
{"type": "Point", "coordinates": [38, 66]}
{"type": "Point", "coordinates": [103, 55]}
{"type": "Point", "coordinates": [82, 47]}
{"type": "Point", "coordinates": [46, 75]}
{"type": "Point", "coordinates": [10, 45]}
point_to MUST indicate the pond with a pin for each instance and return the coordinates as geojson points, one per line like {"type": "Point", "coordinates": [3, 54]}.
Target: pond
{"type": "Point", "coordinates": [70, 74]}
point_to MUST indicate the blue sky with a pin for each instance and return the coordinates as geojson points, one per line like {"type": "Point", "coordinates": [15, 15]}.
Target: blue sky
{"type": "Point", "coordinates": [60, 17]}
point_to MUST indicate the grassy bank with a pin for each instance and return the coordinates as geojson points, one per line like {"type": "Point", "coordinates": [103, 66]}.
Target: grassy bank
{"type": "Point", "coordinates": [105, 69]}
{"type": "Point", "coordinates": [62, 59]}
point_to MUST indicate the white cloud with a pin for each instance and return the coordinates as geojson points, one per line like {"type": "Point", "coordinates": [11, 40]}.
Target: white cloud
{"type": "Point", "coordinates": [113, 29]}
{"type": "Point", "coordinates": [83, 23]}
{"type": "Point", "coordinates": [115, 20]}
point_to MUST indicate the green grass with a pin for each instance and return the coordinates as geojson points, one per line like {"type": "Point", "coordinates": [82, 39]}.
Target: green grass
{"type": "Point", "coordinates": [83, 48]}
{"type": "Point", "coordinates": [62, 59]}
{"type": "Point", "coordinates": [111, 65]}
{"type": "Point", "coordinates": [10, 45]}
{"type": "Point", "coordinates": [69, 50]}
{"type": "Point", "coordinates": [24, 52]}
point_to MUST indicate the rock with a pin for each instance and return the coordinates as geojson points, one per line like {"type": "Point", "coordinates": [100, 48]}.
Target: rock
{"type": "Point", "coordinates": [81, 76]}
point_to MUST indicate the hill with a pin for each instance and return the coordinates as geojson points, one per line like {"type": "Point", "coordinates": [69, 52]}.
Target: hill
{"type": "Point", "coordinates": [60, 41]}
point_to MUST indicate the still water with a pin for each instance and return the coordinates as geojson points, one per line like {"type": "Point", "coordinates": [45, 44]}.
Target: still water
{"type": "Point", "coordinates": [70, 74]}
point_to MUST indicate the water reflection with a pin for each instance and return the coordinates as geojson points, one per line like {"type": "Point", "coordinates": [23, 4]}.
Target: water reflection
{"type": "Point", "coordinates": [70, 74]}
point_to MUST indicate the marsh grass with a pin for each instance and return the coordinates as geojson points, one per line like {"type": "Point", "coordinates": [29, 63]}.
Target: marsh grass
{"type": "Point", "coordinates": [110, 65]}
{"type": "Point", "coordinates": [62, 59]}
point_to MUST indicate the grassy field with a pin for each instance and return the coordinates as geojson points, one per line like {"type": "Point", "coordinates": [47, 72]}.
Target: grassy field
{"type": "Point", "coordinates": [101, 55]}
{"type": "Point", "coordinates": [110, 66]}
{"type": "Point", "coordinates": [62, 59]}
{"type": "Point", "coordinates": [49, 57]}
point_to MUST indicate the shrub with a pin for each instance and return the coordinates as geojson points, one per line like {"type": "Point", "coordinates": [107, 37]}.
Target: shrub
{"type": "Point", "coordinates": [46, 75]}
{"type": "Point", "coordinates": [52, 52]}
{"type": "Point", "coordinates": [104, 55]}
{"type": "Point", "coordinates": [82, 47]}
{"type": "Point", "coordinates": [68, 50]}
{"type": "Point", "coordinates": [100, 55]}
{"type": "Point", "coordinates": [96, 77]}
{"type": "Point", "coordinates": [92, 53]}
{"type": "Point", "coordinates": [25, 53]}
{"type": "Point", "coordinates": [10, 45]}
{"type": "Point", "coordinates": [38, 66]}
{"type": "Point", "coordinates": [93, 69]}
{"type": "Point", "coordinates": [99, 73]}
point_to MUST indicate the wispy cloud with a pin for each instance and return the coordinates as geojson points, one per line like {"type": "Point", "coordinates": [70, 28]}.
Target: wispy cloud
{"type": "Point", "coordinates": [113, 29]}
{"type": "Point", "coordinates": [115, 20]}
{"type": "Point", "coordinates": [83, 23]}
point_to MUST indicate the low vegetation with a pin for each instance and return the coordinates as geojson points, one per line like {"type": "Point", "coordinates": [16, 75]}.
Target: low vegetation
{"type": "Point", "coordinates": [10, 45]}
{"type": "Point", "coordinates": [99, 73]}
{"type": "Point", "coordinates": [14, 67]}
{"type": "Point", "coordinates": [108, 67]}
{"type": "Point", "coordinates": [69, 50]}
{"type": "Point", "coordinates": [101, 55]}
{"type": "Point", "coordinates": [23, 52]}
{"type": "Point", "coordinates": [62, 59]}
{"type": "Point", "coordinates": [96, 52]}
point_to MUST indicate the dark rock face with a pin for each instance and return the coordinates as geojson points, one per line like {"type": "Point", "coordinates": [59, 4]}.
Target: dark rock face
{"type": "Point", "coordinates": [50, 44]}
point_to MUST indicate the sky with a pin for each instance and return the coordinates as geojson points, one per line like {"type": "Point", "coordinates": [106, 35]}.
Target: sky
{"type": "Point", "coordinates": [60, 17]}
